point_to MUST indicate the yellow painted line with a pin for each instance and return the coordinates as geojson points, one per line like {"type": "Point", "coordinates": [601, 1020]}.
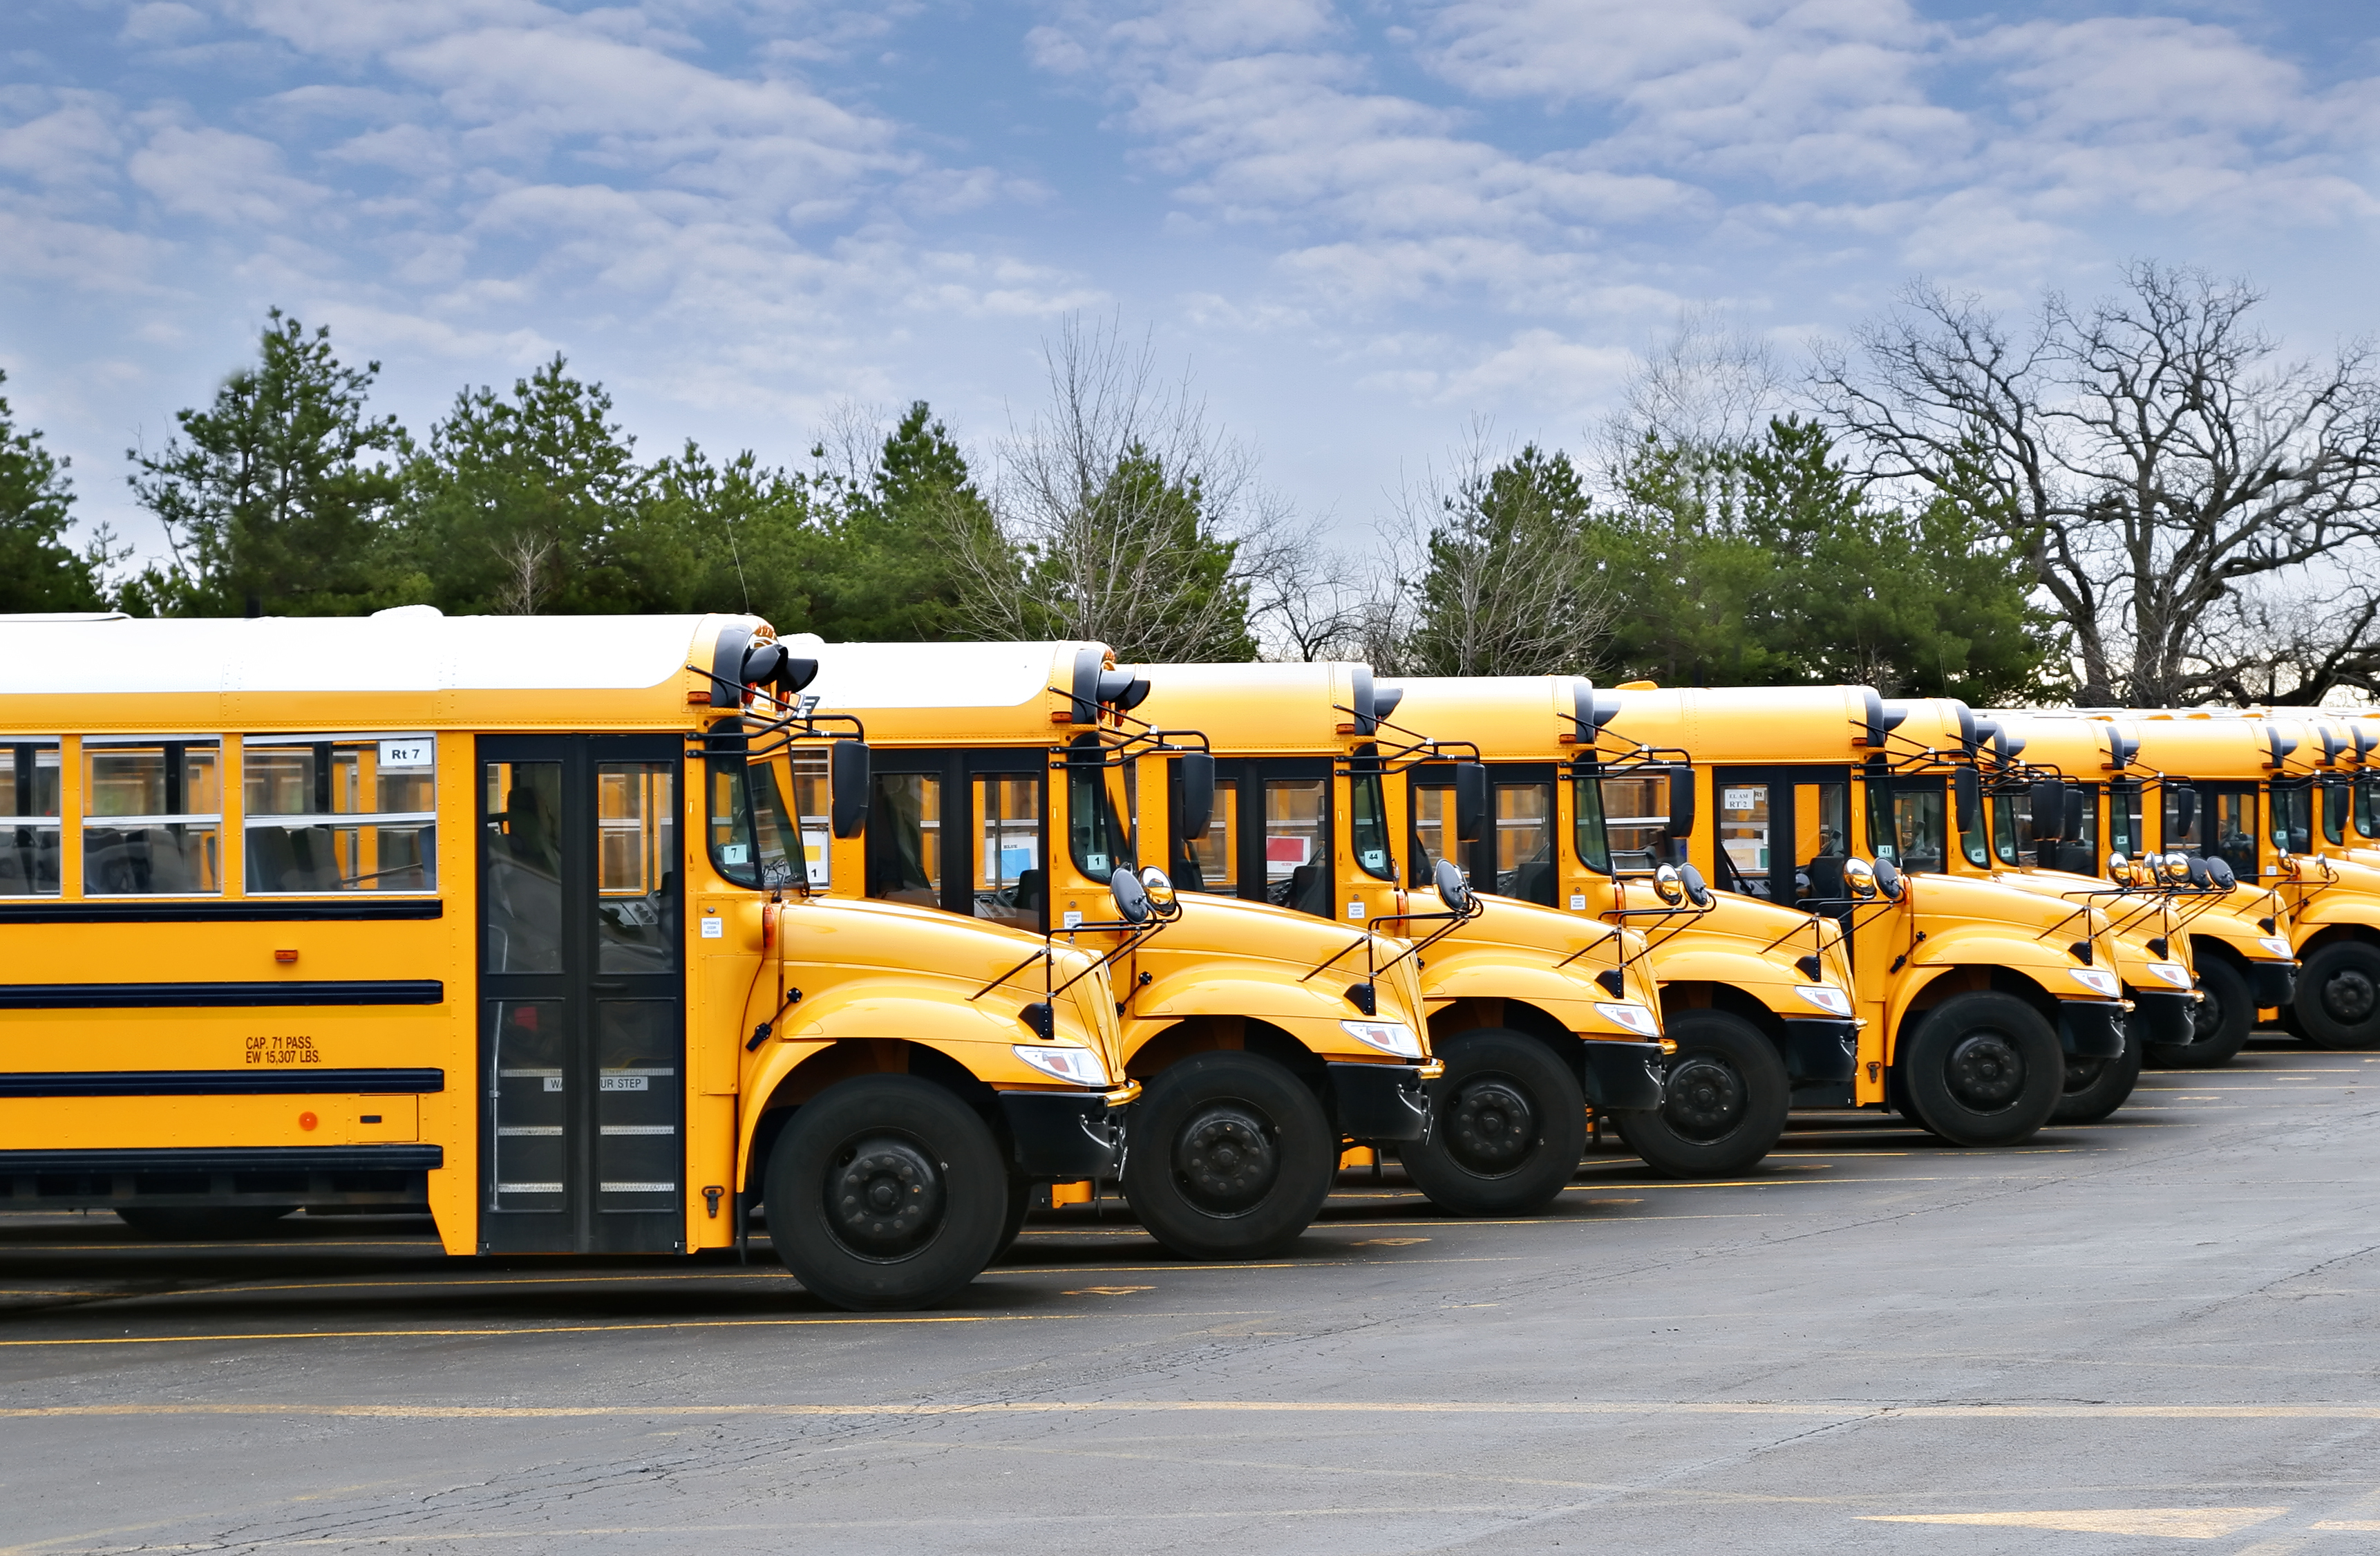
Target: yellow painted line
{"type": "Point", "coordinates": [542, 1329]}
{"type": "Point", "coordinates": [2347, 1524]}
{"type": "Point", "coordinates": [2173, 1522]}
{"type": "Point", "coordinates": [1302, 1408]}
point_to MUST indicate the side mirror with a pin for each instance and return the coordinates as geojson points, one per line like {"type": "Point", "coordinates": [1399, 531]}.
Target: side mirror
{"type": "Point", "coordinates": [2078, 800]}
{"type": "Point", "coordinates": [2176, 866]}
{"type": "Point", "coordinates": [1470, 802]}
{"type": "Point", "coordinates": [2049, 801]}
{"type": "Point", "coordinates": [1198, 770]}
{"type": "Point", "coordinates": [1967, 796]}
{"type": "Point", "coordinates": [848, 771]}
{"type": "Point", "coordinates": [1890, 882]}
{"type": "Point", "coordinates": [1859, 879]}
{"type": "Point", "coordinates": [1453, 890]}
{"type": "Point", "coordinates": [1682, 802]}
{"type": "Point", "coordinates": [1698, 891]}
{"type": "Point", "coordinates": [1132, 902]}
{"type": "Point", "coordinates": [1159, 889]}
{"type": "Point", "coordinates": [1669, 886]}
{"type": "Point", "coordinates": [2185, 813]}
{"type": "Point", "coordinates": [2119, 870]}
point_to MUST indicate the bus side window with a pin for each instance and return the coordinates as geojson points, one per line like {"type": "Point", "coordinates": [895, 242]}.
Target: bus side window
{"type": "Point", "coordinates": [29, 818]}
{"type": "Point", "coordinates": [1210, 861]}
{"type": "Point", "coordinates": [152, 817]}
{"type": "Point", "coordinates": [904, 839]}
{"type": "Point", "coordinates": [331, 815]}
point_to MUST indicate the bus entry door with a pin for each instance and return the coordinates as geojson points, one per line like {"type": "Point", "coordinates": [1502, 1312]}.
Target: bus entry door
{"type": "Point", "coordinates": [582, 996]}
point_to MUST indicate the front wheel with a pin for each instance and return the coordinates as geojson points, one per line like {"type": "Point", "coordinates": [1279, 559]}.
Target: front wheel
{"type": "Point", "coordinates": [1508, 1125]}
{"type": "Point", "coordinates": [1983, 1069]}
{"type": "Point", "coordinates": [886, 1192]}
{"type": "Point", "coordinates": [2095, 1087]}
{"type": "Point", "coordinates": [2339, 997]}
{"type": "Point", "coordinates": [1231, 1156]}
{"type": "Point", "coordinates": [1723, 1106]}
{"type": "Point", "coordinates": [2219, 1024]}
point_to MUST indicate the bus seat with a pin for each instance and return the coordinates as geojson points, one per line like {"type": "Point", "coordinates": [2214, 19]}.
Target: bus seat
{"type": "Point", "coordinates": [1533, 882]}
{"type": "Point", "coordinates": [1308, 889]}
{"type": "Point", "coordinates": [1028, 889]}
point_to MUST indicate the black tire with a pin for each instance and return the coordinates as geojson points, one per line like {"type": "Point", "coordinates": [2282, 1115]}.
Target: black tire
{"type": "Point", "coordinates": [1723, 1106]}
{"type": "Point", "coordinates": [1231, 1157]}
{"type": "Point", "coordinates": [202, 1224]}
{"type": "Point", "coordinates": [1020, 1200]}
{"type": "Point", "coordinates": [2221, 1022]}
{"type": "Point", "coordinates": [1983, 1069]}
{"type": "Point", "coordinates": [2339, 997]}
{"type": "Point", "coordinates": [886, 1192]}
{"type": "Point", "coordinates": [1506, 1126]}
{"type": "Point", "coordinates": [2095, 1087]}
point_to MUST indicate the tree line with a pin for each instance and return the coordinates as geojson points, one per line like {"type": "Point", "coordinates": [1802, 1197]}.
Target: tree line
{"type": "Point", "coordinates": [2136, 501]}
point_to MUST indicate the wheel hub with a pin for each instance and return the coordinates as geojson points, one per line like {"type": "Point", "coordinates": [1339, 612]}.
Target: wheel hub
{"type": "Point", "coordinates": [1704, 1098]}
{"type": "Point", "coordinates": [1225, 1158]}
{"type": "Point", "coordinates": [1985, 1072]}
{"type": "Point", "coordinates": [885, 1197]}
{"type": "Point", "coordinates": [2349, 996]}
{"type": "Point", "coordinates": [1491, 1127]}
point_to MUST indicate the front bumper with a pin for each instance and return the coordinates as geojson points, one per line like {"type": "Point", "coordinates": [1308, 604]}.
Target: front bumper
{"type": "Point", "coordinates": [2272, 984]}
{"type": "Point", "coordinates": [2159, 1017]}
{"type": "Point", "coordinates": [1623, 1076]}
{"type": "Point", "coordinates": [1380, 1101]}
{"type": "Point", "coordinates": [1820, 1051]}
{"type": "Point", "coordinates": [2093, 1028]}
{"type": "Point", "coordinates": [1064, 1135]}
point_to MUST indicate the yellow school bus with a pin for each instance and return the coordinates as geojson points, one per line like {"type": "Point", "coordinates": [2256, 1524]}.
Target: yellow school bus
{"type": "Point", "coordinates": [494, 916]}
{"type": "Point", "coordinates": [1536, 1014]}
{"type": "Point", "coordinates": [1975, 993]}
{"type": "Point", "coordinates": [2257, 797]}
{"type": "Point", "coordinates": [1755, 996]}
{"type": "Point", "coordinates": [1013, 784]}
{"type": "Point", "coordinates": [2237, 948]}
{"type": "Point", "coordinates": [2019, 823]}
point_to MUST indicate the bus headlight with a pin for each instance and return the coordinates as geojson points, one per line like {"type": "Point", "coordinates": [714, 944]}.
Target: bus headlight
{"type": "Point", "coordinates": [1635, 1017]}
{"type": "Point", "coordinates": [1825, 996]}
{"type": "Point", "coordinates": [2172, 972]}
{"type": "Point", "coordinates": [1079, 1065]}
{"type": "Point", "coordinates": [2276, 944]}
{"type": "Point", "coordinates": [2099, 980]}
{"type": "Point", "coordinates": [1389, 1037]}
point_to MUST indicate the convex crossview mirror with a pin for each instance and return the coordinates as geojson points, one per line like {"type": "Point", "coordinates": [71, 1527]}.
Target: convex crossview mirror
{"type": "Point", "coordinates": [2219, 870]}
{"type": "Point", "coordinates": [1131, 901]}
{"type": "Point", "coordinates": [1890, 882]}
{"type": "Point", "coordinates": [1669, 886]}
{"type": "Point", "coordinates": [1470, 802]}
{"type": "Point", "coordinates": [1859, 879]}
{"type": "Point", "coordinates": [847, 768]}
{"type": "Point", "coordinates": [2119, 870]}
{"type": "Point", "coordinates": [1159, 889]}
{"type": "Point", "coordinates": [1454, 890]}
{"type": "Point", "coordinates": [1697, 890]}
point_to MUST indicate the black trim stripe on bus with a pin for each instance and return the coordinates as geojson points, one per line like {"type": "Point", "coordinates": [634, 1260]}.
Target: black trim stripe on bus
{"type": "Point", "coordinates": [225, 1159]}
{"type": "Point", "coordinates": [186, 996]}
{"type": "Point", "coordinates": [306, 1081]}
{"type": "Point", "coordinates": [250, 912]}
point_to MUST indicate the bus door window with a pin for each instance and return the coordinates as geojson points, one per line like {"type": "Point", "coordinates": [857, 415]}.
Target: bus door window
{"type": "Point", "coordinates": [2230, 816]}
{"type": "Point", "coordinates": [152, 817]}
{"type": "Point", "coordinates": [1429, 800]}
{"type": "Point", "coordinates": [1009, 879]}
{"type": "Point", "coordinates": [1907, 823]}
{"type": "Point", "coordinates": [1821, 840]}
{"type": "Point", "coordinates": [329, 815]}
{"type": "Point", "coordinates": [2335, 803]}
{"type": "Point", "coordinates": [1210, 861]}
{"type": "Point", "coordinates": [636, 1040]}
{"type": "Point", "coordinates": [635, 863]}
{"type": "Point", "coordinates": [904, 839]}
{"type": "Point", "coordinates": [2292, 817]}
{"type": "Point", "coordinates": [1636, 820]}
{"type": "Point", "coordinates": [1745, 838]}
{"type": "Point", "coordinates": [520, 883]}
{"type": "Point", "coordinates": [28, 813]}
{"type": "Point", "coordinates": [1525, 841]}
{"type": "Point", "coordinates": [1297, 844]}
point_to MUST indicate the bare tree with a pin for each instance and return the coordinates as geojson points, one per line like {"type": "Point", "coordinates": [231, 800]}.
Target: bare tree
{"type": "Point", "coordinates": [2150, 454]}
{"type": "Point", "coordinates": [1709, 384]}
{"type": "Point", "coordinates": [525, 582]}
{"type": "Point", "coordinates": [1125, 518]}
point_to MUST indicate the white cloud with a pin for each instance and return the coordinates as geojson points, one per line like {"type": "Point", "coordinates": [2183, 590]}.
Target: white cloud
{"type": "Point", "coordinates": [221, 177]}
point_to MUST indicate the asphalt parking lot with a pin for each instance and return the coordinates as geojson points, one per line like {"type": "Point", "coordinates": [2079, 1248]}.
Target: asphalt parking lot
{"type": "Point", "coordinates": [2158, 1332]}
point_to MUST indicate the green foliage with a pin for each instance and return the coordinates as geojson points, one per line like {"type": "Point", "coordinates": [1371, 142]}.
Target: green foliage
{"type": "Point", "coordinates": [892, 561]}
{"type": "Point", "coordinates": [514, 507]}
{"type": "Point", "coordinates": [734, 537]}
{"type": "Point", "coordinates": [265, 496]}
{"type": "Point", "coordinates": [38, 572]}
{"type": "Point", "coordinates": [1767, 566]}
{"type": "Point", "coordinates": [1503, 591]}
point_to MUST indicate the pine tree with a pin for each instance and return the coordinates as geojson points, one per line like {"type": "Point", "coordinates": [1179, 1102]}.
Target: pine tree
{"type": "Point", "coordinates": [38, 571]}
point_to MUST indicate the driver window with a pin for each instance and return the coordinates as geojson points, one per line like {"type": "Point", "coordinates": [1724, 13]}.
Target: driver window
{"type": "Point", "coordinates": [1636, 817]}
{"type": "Point", "coordinates": [1908, 826]}
{"type": "Point", "coordinates": [2334, 812]}
{"type": "Point", "coordinates": [2293, 818]}
{"type": "Point", "coordinates": [1213, 856]}
{"type": "Point", "coordinates": [2234, 815]}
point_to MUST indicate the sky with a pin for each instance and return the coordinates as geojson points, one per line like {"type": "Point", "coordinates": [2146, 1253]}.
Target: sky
{"type": "Point", "coordinates": [1363, 228]}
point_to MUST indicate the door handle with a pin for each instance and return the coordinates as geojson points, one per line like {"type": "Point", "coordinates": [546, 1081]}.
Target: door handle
{"type": "Point", "coordinates": [609, 985]}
